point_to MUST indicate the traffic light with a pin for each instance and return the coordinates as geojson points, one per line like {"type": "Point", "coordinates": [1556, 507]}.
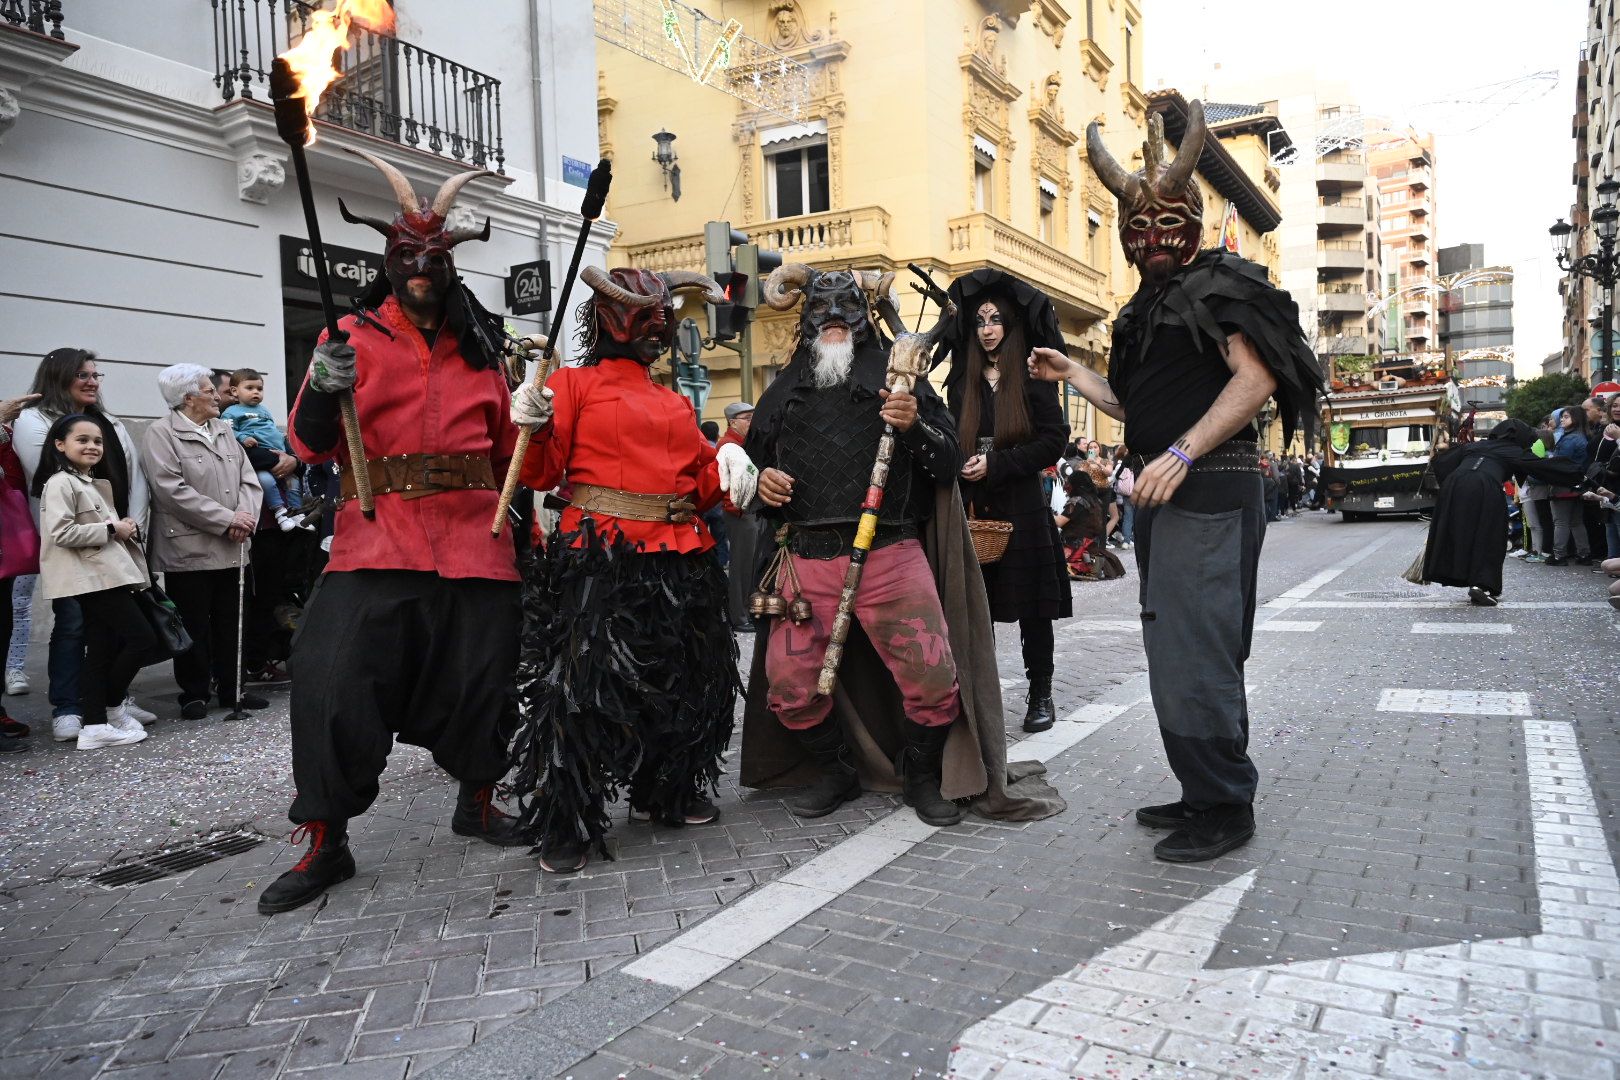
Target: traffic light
{"type": "Point", "coordinates": [738, 273]}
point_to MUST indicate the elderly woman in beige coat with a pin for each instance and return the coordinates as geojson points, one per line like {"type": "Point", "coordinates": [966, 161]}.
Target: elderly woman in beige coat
{"type": "Point", "coordinates": [205, 508]}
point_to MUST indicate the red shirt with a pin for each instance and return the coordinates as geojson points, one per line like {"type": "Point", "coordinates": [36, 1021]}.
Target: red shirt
{"type": "Point", "coordinates": [416, 400]}
{"type": "Point", "coordinates": [614, 427]}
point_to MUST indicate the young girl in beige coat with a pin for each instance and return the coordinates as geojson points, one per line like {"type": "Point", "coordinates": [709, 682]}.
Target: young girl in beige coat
{"type": "Point", "coordinates": [89, 553]}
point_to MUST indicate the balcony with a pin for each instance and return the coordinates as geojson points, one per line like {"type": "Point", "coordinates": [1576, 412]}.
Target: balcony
{"type": "Point", "coordinates": [1346, 213]}
{"type": "Point", "coordinates": [1331, 174]}
{"type": "Point", "coordinates": [40, 16]}
{"type": "Point", "coordinates": [1420, 231]}
{"type": "Point", "coordinates": [1419, 257]}
{"type": "Point", "coordinates": [1419, 179]}
{"type": "Point", "coordinates": [1344, 299]}
{"type": "Point", "coordinates": [1419, 209]}
{"type": "Point", "coordinates": [1341, 256]}
{"type": "Point", "coordinates": [836, 238]}
{"type": "Point", "coordinates": [389, 89]}
{"type": "Point", "coordinates": [978, 240]}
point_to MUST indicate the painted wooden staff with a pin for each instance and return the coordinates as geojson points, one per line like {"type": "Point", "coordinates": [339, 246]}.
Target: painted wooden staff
{"type": "Point", "coordinates": [292, 124]}
{"type": "Point", "coordinates": [908, 362]}
{"type": "Point", "coordinates": [596, 192]}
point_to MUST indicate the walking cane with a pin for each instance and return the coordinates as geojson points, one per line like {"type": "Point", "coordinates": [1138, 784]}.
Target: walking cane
{"type": "Point", "coordinates": [237, 713]}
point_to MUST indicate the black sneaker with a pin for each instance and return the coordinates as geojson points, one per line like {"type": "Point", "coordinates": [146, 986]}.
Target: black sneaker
{"type": "Point", "coordinates": [1584, 560]}
{"type": "Point", "coordinates": [246, 701]}
{"type": "Point", "coordinates": [194, 710]}
{"type": "Point", "coordinates": [13, 744]}
{"type": "Point", "coordinates": [1208, 834]}
{"type": "Point", "coordinates": [558, 856]}
{"type": "Point", "coordinates": [1164, 816]}
{"type": "Point", "coordinates": [1480, 598]}
{"type": "Point", "coordinates": [1556, 561]}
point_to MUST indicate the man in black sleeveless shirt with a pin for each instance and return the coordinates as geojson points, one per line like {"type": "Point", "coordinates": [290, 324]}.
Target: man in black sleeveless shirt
{"type": "Point", "coordinates": [1196, 353]}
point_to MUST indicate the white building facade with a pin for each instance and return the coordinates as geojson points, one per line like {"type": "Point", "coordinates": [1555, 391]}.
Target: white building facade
{"type": "Point", "coordinates": [151, 213]}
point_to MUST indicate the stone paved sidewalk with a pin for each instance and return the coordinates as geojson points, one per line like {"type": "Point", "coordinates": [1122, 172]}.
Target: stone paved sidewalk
{"type": "Point", "coordinates": [438, 941]}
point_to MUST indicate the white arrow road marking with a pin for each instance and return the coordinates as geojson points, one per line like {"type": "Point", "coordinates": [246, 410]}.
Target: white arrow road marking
{"type": "Point", "coordinates": [1533, 1006]}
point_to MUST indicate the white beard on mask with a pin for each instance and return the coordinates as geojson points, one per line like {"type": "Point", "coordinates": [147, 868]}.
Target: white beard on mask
{"type": "Point", "coordinates": [832, 362]}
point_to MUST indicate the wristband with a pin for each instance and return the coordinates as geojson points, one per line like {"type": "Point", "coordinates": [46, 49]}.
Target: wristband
{"type": "Point", "coordinates": [1178, 452]}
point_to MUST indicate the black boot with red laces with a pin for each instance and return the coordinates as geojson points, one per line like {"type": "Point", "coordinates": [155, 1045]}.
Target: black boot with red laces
{"type": "Point", "coordinates": [477, 815]}
{"type": "Point", "coordinates": [327, 862]}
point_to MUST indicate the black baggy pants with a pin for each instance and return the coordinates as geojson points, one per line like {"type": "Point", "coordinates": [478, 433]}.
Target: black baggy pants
{"type": "Point", "coordinates": [1197, 557]}
{"type": "Point", "coordinates": [382, 654]}
{"type": "Point", "coordinates": [117, 638]}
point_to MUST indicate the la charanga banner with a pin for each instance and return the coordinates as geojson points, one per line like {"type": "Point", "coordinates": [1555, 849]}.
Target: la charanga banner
{"type": "Point", "coordinates": [1381, 478]}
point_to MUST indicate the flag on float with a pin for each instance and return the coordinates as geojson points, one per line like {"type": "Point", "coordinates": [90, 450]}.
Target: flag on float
{"type": "Point", "coordinates": [1229, 231]}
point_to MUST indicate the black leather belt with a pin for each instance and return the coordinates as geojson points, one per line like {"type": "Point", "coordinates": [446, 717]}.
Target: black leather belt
{"type": "Point", "coordinates": [1230, 456]}
{"type": "Point", "coordinates": [831, 541]}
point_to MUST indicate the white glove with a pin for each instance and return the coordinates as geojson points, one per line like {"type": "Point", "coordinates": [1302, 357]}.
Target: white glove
{"type": "Point", "coordinates": [738, 477]}
{"type": "Point", "coordinates": [531, 406]}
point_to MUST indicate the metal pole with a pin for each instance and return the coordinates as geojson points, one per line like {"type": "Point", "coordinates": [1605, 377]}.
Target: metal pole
{"type": "Point", "coordinates": [1608, 311]}
{"type": "Point", "coordinates": [745, 357]}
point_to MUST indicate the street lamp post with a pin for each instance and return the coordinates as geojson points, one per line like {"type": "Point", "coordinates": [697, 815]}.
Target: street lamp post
{"type": "Point", "coordinates": [1602, 265]}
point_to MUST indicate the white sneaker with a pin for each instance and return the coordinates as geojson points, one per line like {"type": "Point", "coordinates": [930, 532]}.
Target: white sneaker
{"type": "Point", "coordinates": [96, 736]}
{"type": "Point", "coordinates": [65, 728]}
{"type": "Point", "coordinates": [119, 718]}
{"type": "Point", "coordinates": [137, 712]}
{"type": "Point", "coordinates": [285, 521]}
{"type": "Point", "coordinates": [16, 682]}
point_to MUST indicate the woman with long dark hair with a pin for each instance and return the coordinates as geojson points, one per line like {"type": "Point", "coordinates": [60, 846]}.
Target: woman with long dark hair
{"type": "Point", "coordinates": [1569, 527]}
{"type": "Point", "coordinates": [1011, 429]}
{"type": "Point", "coordinates": [68, 382]}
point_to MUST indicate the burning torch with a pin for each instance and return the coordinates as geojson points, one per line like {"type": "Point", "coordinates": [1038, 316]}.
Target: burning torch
{"type": "Point", "coordinates": [292, 124]}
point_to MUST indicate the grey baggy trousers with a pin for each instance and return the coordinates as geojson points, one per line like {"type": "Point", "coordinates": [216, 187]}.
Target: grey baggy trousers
{"type": "Point", "coordinates": [1197, 557]}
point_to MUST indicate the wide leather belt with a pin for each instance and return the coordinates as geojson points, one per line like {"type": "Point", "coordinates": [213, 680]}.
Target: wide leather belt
{"type": "Point", "coordinates": [631, 505]}
{"type": "Point", "coordinates": [1231, 456]}
{"type": "Point", "coordinates": [415, 476]}
{"type": "Point", "coordinates": [832, 541]}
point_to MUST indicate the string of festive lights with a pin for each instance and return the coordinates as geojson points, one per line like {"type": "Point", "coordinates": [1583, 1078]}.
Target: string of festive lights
{"type": "Point", "coordinates": [708, 51]}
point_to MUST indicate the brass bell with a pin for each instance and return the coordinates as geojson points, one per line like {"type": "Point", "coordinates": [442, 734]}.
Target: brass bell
{"type": "Point", "coordinates": [757, 601]}
{"type": "Point", "coordinates": [775, 607]}
{"type": "Point", "coordinates": [799, 610]}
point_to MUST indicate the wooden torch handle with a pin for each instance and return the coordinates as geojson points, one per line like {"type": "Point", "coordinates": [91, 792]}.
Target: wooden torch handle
{"type": "Point", "coordinates": [514, 468]}
{"type": "Point", "coordinates": [357, 454]}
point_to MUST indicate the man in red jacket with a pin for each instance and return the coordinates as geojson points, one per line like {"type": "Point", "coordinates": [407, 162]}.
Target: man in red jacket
{"type": "Point", "coordinates": [412, 632]}
{"type": "Point", "coordinates": [628, 677]}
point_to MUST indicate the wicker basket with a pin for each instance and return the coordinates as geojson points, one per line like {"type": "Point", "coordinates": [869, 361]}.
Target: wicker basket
{"type": "Point", "coordinates": [990, 539]}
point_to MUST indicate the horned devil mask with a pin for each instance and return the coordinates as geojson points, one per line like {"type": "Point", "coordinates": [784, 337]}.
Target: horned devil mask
{"type": "Point", "coordinates": [831, 298]}
{"type": "Point", "coordinates": [634, 310]}
{"type": "Point", "coordinates": [1161, 210]}
{"type": "Point", "coordinates": [419, 242]}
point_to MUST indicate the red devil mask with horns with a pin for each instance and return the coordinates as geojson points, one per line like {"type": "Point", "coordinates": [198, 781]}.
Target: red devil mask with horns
{"type": "Point", "coordinates": [1161, 210]}
{"type": "Point", "coordinates": [417, 259]}
{"type": "Point", "coordinates": [634, 310]}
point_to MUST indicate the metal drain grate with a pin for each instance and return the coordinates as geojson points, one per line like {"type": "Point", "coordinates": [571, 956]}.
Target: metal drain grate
{"type": "Point", "coordinates": [1387, 594]}
{"type": "Point", "coordinates": [178, 861]}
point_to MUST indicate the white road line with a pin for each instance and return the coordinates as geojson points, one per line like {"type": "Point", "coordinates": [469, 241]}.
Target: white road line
{"type": "Point", "coordinates": [697, 955]}
{"type": "Point", "coordinates": [1459, 702]}
{"type": "Point", "coordinates": [1460, 604]}
{"type": "Point", "coordinates": [1150, 1006]}
{"type": "Point", "coordinates": [1462, 628]}
{"type": "Point", "coordinates": [1286, 626]}
{"type": "Point", "coordinates": [1305, 588]}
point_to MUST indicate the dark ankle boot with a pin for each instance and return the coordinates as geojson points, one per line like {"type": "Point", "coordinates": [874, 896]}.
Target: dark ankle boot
{"type": "Point", "coordinates": [1042, 713]}
{"type": "Point", "coordinates": [920, 764]}
{"type": "Point", "coordinates": [327, 862]}
{"type": "Point", "coordinates": [838, 782]}
{"type": "Point", "coordinates": [477, 815]}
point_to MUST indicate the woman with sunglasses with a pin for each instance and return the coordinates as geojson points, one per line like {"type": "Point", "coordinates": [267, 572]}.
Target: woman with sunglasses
{"type": "Point", "coordinates": [68, 381]}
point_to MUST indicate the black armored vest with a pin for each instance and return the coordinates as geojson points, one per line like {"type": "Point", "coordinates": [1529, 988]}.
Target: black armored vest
{"type": "Point", "coordinates": [828, 444]}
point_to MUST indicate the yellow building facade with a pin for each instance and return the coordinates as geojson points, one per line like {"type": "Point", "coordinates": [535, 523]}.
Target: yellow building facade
{"type": "Point", "coordinates": [949, 133]}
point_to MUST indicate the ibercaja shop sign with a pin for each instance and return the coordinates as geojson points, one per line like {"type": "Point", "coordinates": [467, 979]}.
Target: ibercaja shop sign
{"type": "Point", "coordinates": [351, 270]}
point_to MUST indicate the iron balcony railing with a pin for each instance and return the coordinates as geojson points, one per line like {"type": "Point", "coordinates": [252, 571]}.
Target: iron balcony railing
{"type": "Point", "coordinates": [389, 88]}
{"type": "Point", "coordinates": [36, 15]}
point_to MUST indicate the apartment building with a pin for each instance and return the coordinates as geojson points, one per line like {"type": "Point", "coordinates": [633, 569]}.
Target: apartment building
{"type": "Point", "coordinates": [151, 211]}
{"type": "Point", "coordinates": [1476, 331]}
{"type": "Point", "coordinates": [1405, 177]}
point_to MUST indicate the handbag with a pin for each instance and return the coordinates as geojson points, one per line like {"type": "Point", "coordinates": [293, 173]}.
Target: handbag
{"type": "Point", "coordinates": [167, 627]}
{"type": "Point", "coordinates": [19, 540]}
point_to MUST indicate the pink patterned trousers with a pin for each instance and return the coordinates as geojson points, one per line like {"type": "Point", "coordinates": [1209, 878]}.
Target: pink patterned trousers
{"type": "Point", "coordinates": [898, 607]}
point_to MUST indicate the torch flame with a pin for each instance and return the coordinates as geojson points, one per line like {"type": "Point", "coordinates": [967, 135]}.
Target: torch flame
{"type": "Point", "coordinates": [314, 59]}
